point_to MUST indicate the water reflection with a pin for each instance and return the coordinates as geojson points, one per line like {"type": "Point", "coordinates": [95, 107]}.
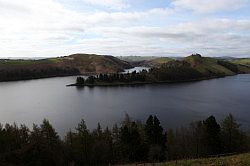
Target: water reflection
{"type": "Point", "coordinates": [175, 104]}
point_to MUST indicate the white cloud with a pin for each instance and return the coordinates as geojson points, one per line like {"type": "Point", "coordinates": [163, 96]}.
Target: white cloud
{"type": "Point", "coordinates": [214, 37]}
{"type": "Point", "coordinates": [112, 4]}
{"type": "Point", "coordinates": [209, 6]}
{"type": "Point", "coordinates": [48, 28]}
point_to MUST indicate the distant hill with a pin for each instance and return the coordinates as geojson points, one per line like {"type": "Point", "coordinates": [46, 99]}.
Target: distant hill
{"type": "Point", "coordinates": [156, 62]}
{"type": "Point", "coordinates": [191, 68]}
{"type": "Point", "coordinates": [62, 66]}
{"type": "Point", "coordinates": [207, 65]}
{"type": "Point", "coordinates": [227, 58]}
{"type": "Point", "coordinates": [196, 66]}
{"type": "Point", "coordinates": [136, 58]}
{"type": "Point", "coordinates": [87, 64]}
{"type": "Point", "coordinates": [91, 63]}
{"type": "Point", "coordinates": [242, 61]}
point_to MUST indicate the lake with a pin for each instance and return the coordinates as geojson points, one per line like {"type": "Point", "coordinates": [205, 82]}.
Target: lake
{"type": "Point", "coordinates": [175, 104]}
{"type": "Point", "coordinates": [137, 69]}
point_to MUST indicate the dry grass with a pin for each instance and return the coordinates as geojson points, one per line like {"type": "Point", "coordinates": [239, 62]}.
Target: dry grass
{"type": "Point", "coordinates": [235, 160]}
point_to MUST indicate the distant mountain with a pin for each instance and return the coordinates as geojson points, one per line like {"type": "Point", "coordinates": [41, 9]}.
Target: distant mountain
{"type": "Point", "coordinates": [62, 66]}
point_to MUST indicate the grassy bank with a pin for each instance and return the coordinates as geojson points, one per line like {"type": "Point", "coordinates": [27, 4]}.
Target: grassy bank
{"type": "Point", "coordinates": [235, 160]}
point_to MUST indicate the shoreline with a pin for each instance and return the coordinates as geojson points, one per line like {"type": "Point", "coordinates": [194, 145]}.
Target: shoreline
{"type": "Point", "coordinates": [143, 83]}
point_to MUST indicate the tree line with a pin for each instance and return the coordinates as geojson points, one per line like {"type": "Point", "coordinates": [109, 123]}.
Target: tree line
{"type": "Point", "coordinates": [173, 71]}
{"type": "Point", "coordinates": [114, 78]}
{"type": "Point", "coordinates": [129, 142]}
{"type": "Point", "coordinates": [34, 73]}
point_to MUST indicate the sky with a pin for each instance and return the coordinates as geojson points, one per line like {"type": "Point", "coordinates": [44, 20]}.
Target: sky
{"type": "Point", "coordinates": [51, 28]}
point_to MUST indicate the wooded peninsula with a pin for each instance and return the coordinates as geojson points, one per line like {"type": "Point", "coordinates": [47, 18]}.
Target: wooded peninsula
{"type": "Point", "coordinates": [163, 69]}
{"type": "Point", "coordinates": [192, 68]}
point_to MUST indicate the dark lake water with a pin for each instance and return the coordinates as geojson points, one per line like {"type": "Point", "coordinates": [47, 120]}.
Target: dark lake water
{"type": "Point", "coordinates": [175, 104]}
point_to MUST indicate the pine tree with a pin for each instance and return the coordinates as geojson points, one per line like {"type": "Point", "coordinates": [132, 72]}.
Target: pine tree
{"type": "Point", "coordinates": [212, 132]}
{"type": "Point", "coordinates": [233, 138]}
{"type": "Point", "coordinates": [83, 143]}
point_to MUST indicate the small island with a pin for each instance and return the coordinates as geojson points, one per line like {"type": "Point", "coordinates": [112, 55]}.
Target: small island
{"type": "Point", "coordinates": [192, 68]}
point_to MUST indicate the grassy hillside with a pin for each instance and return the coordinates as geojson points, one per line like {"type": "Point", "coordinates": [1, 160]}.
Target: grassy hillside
{"type": "Point", "coordinates": [191, 68]}
{"type": "Point", "coordinates": [242, 61]}
{"type": "Point", "coordinates": [207, 65]}
{"type": "Point", "coordinates": [83, 62]}
{"type": "Point", "coordinates": [136, 58]}
{"type": "Point", "coordinates": [235, 160]}
{"type": "Point", "coordinates": [146, 61]}
{"type": "Point", "coordinates": [244, 69]}
{"type": "Point", "coordinates": [157, 61]}
{"type": "Point", "coordinates": [96, 63]}
{"type": "Point", "coordinates": [61, 66]}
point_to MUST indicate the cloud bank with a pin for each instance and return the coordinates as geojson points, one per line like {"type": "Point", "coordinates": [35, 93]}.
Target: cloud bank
{"type": "Point", "coordinates": [46, 28]}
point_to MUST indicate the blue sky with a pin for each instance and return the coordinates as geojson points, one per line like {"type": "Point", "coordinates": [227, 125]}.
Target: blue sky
{"type": "Point", "coordinates": [35, 28]}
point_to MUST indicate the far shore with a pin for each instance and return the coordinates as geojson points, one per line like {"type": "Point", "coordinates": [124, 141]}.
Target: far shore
{"type": "Point", "coordinates": [104, 84]}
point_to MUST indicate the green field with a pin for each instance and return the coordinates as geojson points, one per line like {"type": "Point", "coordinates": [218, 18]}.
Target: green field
{"type": "Point", "coordinates": [206, 65]}
{"type": "Point", "coordinates": [161, 60]}
{"type": "Point", "coordinates": [235, 160]}
{"type": "Point", "coordinates": [242, 61]}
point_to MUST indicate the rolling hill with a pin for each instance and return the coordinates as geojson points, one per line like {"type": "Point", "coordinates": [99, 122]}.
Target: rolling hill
{"type": "Point", "coordinates": [146, 61]}
{"type": "Point", "coordinates": [62, 66]}
{"type": "Point", "coordinates": [208, 66]}
{"type": "Point", "coordinates": [191, 68]}
{"type": "Point", "coordinates": [156, 62]}
{"type": "Point", "coordinates": [242, 61]}
{"type": "Point", "coordinates": [136, 58]}
{"type": "Point", "coordinates": [90, 63]}
{"type": "Point", "coordinates": [87, 64]}
{"type": "Point", "coordinates": [196, 66]}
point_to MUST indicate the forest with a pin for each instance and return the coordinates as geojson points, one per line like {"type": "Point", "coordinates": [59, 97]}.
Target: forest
{"type": "Point", "coordinates": [176, 72]}
{"type": "Point", "coordinates": [29, 73]}
{"type": "Point", "coordinates": [131, 141]}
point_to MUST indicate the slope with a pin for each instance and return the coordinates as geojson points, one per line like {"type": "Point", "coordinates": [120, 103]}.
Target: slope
{"type": "Point", "coordinates": [62, 66]}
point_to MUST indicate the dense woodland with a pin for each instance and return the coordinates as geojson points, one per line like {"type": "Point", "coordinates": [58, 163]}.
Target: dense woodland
{"type": "Point", "coordinates": [169, 72]}
{"type": "Point", "coordinates": [33, 73]}
{"type": "Point", "coordinates": [129, 142]}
